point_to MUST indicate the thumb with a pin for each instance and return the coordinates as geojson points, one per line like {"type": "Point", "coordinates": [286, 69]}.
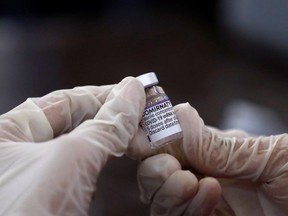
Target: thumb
{"type": "Point", "coordinates": [235, 155]}
{"type": "Point", "coordinates": [117, 121]}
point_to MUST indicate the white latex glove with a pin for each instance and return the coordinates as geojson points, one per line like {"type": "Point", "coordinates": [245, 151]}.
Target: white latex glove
{"type": "Point", "coordinates": [252, 172]}
{"type": "Point", "coordinates": [53, 148]}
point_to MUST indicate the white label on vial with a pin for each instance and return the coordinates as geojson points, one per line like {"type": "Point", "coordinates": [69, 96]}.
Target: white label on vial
{"type": "Point", "coordinates": [159, 121]}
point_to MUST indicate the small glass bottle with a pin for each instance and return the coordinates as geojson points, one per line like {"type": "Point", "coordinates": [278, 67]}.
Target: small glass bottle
{"type": "Point", "coordinates": [159, 120]}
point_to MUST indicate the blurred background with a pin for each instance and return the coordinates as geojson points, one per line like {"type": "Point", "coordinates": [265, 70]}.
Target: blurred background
{"type": "Point", "coordinates": [227, 58]}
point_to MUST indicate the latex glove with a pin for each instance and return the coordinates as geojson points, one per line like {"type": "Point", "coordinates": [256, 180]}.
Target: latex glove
{"type": "Point", "coordinates": [43, 173]}
{"type": "Point", "coordinates": [251, 171]}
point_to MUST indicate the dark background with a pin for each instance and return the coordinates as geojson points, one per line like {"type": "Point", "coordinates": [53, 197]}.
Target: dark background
{"type": "Point", "coordinates": [209, 53]}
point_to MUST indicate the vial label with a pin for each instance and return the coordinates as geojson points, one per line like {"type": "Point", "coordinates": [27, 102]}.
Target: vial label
{"type": "Point", "coordinates": [159, 121]}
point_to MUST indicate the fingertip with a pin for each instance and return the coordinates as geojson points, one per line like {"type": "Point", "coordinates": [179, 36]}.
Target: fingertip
{"type": "Point", "coordinates": [188, 117]}
{"type": "Point", "coordinates": [181, 106]}
{"type": "Point", "coordinates": [206, 199]}
{"type": "Point", "coordinates": [184, 184]}
{"type": "Point", "coordinates": [175, 194]}
{"type": "Point", "coordinates": [131, 91]}
{"type": "Point", "coordinates": [186, 109]}
{"type": "Point", "coordinates": [211, 185]}
{"type": "Point", "coordinates": [162, 165]}
{"type": "Point", "coordinates": [153, 172]}
{"type": "Point", "coordinates": [132, 81]}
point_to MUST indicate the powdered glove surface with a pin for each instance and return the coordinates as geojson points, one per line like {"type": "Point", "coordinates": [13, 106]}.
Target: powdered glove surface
{"type": "Point", "coordinates": [53, 148]}
{"type": "Point", "coordinates": [237, 174]}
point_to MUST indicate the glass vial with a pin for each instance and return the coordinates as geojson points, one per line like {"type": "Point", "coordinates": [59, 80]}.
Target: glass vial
{"type": "Point", "coordinates": [159, 120]}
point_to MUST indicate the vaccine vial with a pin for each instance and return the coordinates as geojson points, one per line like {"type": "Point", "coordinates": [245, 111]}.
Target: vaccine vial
{"type": "Point", "coordinates": [159, 120]}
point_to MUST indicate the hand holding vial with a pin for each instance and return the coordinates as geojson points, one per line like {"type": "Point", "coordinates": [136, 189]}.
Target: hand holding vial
{"type": "Point", "coordinates": [219, 172]}
{"type": "Point", "coordinates": [53, 149]}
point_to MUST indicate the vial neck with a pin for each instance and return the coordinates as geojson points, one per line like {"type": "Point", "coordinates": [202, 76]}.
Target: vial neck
{"type": "Point", "coordinates": [153, 90]}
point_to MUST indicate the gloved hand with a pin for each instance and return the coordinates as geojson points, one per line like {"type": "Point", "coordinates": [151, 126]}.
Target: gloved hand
{"type": "Point", "coordinates": [225, 172]}
{"type": "Point", "coordinates": [53, 148]}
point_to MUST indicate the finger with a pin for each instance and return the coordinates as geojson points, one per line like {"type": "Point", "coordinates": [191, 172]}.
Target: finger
{"type": "Point", "coordinates": [206, 199]}
{"type": "Point", "coordinates": [211, 153]}
{"type": "Point", "coordinates": [153, 172]}
{"type": "Point", "coordinates": [40, 119]}
{"type": "Point", "coordinates": [173, 197]}
{"type": "Point", "coordinates": [140, 148]}
{"type": "Point", "coordinates": [74, 106]}
{"type": "Point", "coordinates": [117, 120]}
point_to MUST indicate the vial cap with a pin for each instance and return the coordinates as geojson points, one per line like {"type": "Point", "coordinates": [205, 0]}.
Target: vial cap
{"type": "Point", "coordinates": [148, 79]}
